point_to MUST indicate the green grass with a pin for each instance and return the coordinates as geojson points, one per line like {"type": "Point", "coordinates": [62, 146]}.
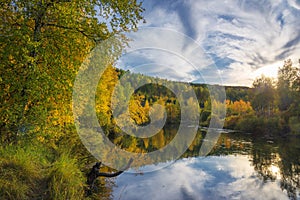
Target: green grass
{"type": "Point", "coordinates": [34, 171]}
{"type": "Point", "coordinates": [66, 179]}
{"type": "Point", "coordinates": [21, 173]}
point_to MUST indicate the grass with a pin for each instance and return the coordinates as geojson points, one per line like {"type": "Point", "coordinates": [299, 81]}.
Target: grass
{"type": "Point", "coordinates": [33, 171]}
{"type": "Point", "coordinates": [66, 179]}
{"type": "Point", "coordinates": [21, 173]}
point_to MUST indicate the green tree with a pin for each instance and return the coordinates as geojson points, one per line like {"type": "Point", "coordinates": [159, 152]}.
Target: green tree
{"type": "Point", "coordinates": [288, 84]}
{"type": "Point", "coordinates": [288, 88]}
{"type": "Point", "coordinates": [263, 96]}
{"type": "Point", "coordinates": [42, 44]}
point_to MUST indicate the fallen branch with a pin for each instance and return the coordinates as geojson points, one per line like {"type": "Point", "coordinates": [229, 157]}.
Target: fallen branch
{"type": "Point", "coordinates": [94, 173]}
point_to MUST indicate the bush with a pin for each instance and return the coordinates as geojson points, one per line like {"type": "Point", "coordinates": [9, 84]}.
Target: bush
{"type": "Point", "coordinates": [204, 118]}
{"type": "Point", "coordinates": [294, 124]}
{"type": "Point", "coordinates": [250, 124]}
{"type": "Point", "coordinates": [215, 122]}
{"type": "Point", "coordinates": [231, 122]}
{"type": "Point", "coordinates": [271, 125]}
{"type": "Point", "coordinates": [259, 125]}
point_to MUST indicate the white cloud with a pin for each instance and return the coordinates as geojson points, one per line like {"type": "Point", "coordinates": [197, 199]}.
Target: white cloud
{"type": "Point", "coordinates": [241, 36]}
{"type": "Point", "coordinates": [159, 17]}
{"type": "Point", "coordinates": [294, 3]}
{"type": "Point", "coordinates": [165, 53]}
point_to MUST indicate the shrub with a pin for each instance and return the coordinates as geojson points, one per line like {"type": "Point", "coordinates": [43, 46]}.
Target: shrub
{"type": "Point", "coordinates": [259, 125]}
{"type": "Point", "coordinates": [294, 124]}
{"type": "Point", "coordinates": [231, 122]}
{"type": "Point", "coordinates": [204, 118]}
{"type": "Point", "coordinates": [250, 124]}
{"type": "Point", "coordinates": [215, 122]}
{"type": "Point", "coordinates": [271, 125]}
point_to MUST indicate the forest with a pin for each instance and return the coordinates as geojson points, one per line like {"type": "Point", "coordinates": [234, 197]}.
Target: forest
{"type": "Point", "coordinates": [42, 46]}
{"type": "Point", "coordinates": [270, 106]}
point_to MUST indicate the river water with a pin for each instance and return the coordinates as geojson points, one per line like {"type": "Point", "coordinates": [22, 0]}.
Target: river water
{"type": "Point", "coordinates": [240, 166]}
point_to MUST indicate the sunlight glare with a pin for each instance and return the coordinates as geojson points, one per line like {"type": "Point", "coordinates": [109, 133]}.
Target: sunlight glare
{"type": "Point", "coordinates": [275, 171]}
{"type": "Point", "coordinates": [268, 71]}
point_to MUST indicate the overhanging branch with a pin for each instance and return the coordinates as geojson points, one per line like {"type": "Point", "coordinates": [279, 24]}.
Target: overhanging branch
{"type": "Point", "coordinates": [76, 29]}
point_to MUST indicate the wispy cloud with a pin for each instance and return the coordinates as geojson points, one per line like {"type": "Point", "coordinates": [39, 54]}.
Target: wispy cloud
{"type": "Point", "coordinates": [166, 53]}
{"type": "Point", "coordinates": [240, 36]}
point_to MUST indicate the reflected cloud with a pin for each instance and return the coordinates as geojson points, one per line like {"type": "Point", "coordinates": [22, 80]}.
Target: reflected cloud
{"type": "Point", "coordinates": [225, 177]}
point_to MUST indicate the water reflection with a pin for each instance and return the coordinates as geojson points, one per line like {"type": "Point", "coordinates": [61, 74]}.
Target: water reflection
{"type": "Point", "coordinates": [279, 161]}
{"type": "Point", "coordinates": [238, 167]}
{"type": "Point", "coordinates": [222, 177]}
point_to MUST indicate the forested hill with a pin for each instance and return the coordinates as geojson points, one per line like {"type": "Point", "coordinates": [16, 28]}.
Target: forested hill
{"type": "Point", "coordinates": [263, 108]}
{"type": "Point", "coordinates": [236, 93]}
{"type": "Point", "coordinates": [155, 90]}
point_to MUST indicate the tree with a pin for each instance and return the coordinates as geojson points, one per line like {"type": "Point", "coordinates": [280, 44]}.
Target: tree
{"type": "Point", "coordinates": [42, 44]}
{"type": "Point", "coordinates": [288, 88]}
{"type": "Point", "coordinates": [286, 85]}
{"type": "Point", "coordinates": [239, 108]}
{"type": "Point", "coordinates": [263, 95]}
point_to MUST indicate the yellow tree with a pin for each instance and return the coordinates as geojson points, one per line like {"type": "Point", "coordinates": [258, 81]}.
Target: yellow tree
{"type": "Point", "coordinates": [239, 108]}
{"type": "Point", "coordinates": [42, 44]}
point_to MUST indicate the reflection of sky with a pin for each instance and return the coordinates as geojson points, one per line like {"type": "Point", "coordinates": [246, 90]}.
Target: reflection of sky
{"type": "Point", "coordinates": [228, 177]}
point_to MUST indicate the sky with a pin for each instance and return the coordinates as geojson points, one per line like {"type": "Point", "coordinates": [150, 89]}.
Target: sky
{"type": "Point", "coordinates": [238, 40]}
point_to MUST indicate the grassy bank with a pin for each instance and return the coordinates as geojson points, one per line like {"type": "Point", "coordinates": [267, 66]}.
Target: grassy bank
{"type": "Point", "coordinates": [33, 171]}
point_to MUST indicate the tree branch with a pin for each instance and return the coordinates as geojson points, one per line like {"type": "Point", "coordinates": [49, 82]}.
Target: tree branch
{"type": "Point", "coordinates": [116, 173]}
{"type": "Point", "coordinates": [73, 29]}
{"type": "Point", "coordinates": [94, 173]}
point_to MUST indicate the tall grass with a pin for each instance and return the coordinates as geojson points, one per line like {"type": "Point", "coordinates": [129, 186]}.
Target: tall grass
{"type": "Point", "coordinates": [21, 173]}
{"type": "Point", "coordinates": [66, 179]}
{"type": "Point", "coordinates": [34, 171]}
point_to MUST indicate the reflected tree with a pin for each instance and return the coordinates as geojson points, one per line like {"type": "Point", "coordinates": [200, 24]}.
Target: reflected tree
{"type": "Point", "coordinates": [279, 162]}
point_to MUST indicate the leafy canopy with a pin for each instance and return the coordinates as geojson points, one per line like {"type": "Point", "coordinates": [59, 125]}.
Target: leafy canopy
{"type": "Point", "coordinates": [42, 44]}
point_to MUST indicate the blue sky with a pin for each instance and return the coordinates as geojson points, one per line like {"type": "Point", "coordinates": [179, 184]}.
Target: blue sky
{"type": "Point", "coordinates": [243, 39]}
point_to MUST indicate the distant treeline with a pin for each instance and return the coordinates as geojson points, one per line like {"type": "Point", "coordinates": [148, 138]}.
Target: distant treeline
{"type": "Point", "coordinates": [268, 107]}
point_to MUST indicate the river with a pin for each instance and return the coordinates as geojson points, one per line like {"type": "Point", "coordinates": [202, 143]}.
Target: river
{"type": "Point", "coordinates": [240, 166]}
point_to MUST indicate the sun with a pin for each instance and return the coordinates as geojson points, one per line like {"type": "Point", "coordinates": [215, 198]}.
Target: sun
{"type": "Point", "coordinates": [275, 170]}
{"type": "Point", "coordinates": [268, 71]}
